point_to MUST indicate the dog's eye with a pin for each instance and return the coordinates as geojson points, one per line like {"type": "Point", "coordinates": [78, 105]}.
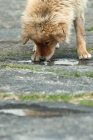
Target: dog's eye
{"type": "Point", "coordinates": [46, 43]}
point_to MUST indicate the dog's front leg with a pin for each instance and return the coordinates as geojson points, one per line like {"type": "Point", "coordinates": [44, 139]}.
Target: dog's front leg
{"type": "Point", "coordinates": [79, 27]}
{"type": "Point", "coordinates": [35, 57]}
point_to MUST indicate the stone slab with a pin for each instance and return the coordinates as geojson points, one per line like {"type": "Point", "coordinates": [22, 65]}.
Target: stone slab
{"type": "Point", "coordinates": [69, 127]}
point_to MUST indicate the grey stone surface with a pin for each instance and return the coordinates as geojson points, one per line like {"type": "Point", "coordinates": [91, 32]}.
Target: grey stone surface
{"type": "Point", "coordinates": [70, 126]}
{"type": "Point", "coordinates": [28, 128]}
{"type": "Point", "coordinates": [46, 77]}
{"type": "Point", "coordinates": [17, 81]}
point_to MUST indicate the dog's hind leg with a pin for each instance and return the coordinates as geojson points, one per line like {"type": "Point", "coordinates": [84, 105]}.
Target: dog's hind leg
{"type": "Point", "coordinates": [79, 27]}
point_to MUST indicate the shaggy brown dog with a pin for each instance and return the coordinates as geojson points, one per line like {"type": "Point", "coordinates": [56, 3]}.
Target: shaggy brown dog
{"type": "Point", "coordinates": [48, 22]}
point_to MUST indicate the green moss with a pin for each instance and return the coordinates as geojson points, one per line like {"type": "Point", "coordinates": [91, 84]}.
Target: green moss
{"type": "Point", "coordinates": [88, 103]}
{"type": "Point", "coordinates": [90, 49]}
{"type": "Point", "coordinates": [83, 99]}
{"type": "Point", "coordinates": [4, 95]}
{"type": "Point", "coordinates": [32, 68]}
{"type": "Point", "coordinates": [74, 74]}
{"type": "Point", "coordinates": [14, 54]}
{"type": "Point", "coordinates": [89, 29]}
{"type": "Point", "coordinates": [45, 97]}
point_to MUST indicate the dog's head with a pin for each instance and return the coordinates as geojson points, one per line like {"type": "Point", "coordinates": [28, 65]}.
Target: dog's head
{"type": "Point", "coordinates": [45, 35]}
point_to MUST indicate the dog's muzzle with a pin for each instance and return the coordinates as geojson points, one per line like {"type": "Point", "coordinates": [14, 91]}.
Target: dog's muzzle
{"type": "Point", "coordinates": [42, 59]}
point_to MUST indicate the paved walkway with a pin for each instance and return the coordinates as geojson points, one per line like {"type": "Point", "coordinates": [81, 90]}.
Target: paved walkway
{"type": "Point", "coordinates": [39, 82]}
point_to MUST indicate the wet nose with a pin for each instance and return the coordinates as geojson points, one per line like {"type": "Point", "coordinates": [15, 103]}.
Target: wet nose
{"type": "Point", "coordinates": [42, 59]}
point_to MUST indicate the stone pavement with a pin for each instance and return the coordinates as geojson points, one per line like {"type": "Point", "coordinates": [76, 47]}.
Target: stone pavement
{"type": "Point", "coordinates": [46, 121]}
{"type": "Point", "coordinates": [64, 61]}
{"type": "Point", "coordinates": [64, 74]}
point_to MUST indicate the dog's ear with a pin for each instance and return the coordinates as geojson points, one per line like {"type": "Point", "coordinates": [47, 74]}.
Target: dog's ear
{"type": "Point", "coordinates": [60, 33]}
{"type": "Point", "coordinates": [25, 36]}
{"type": "Point", "coordinates": [25, 39]}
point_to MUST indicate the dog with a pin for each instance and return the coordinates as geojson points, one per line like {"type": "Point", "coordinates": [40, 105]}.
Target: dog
{"type": "Point", "coordinates": [47, 22]}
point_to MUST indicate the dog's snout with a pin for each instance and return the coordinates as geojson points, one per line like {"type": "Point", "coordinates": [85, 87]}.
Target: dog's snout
{"type": "Point", "coordinates": [42, 59]}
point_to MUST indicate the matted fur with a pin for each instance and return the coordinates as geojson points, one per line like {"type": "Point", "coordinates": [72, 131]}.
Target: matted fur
{"type": "Point", "coordinates": [47, 22]}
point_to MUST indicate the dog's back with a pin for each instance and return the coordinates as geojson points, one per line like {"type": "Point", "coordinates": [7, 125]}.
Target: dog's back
{"type": "Point", "coordinates": [41, 10]}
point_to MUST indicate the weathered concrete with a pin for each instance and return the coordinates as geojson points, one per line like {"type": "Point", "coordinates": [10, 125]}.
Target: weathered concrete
{"type": "Point", "coordinates": [18, 81]}
{"type": "Point", "coordinates": [47, 77]}
{"type": "Point", "coordinates": [75, 123]}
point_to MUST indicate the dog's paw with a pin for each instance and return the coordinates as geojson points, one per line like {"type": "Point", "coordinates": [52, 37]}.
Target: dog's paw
{"type": "Point", "coordinates": [84, 55]}
{"type": "Point", "coordinates": [35, 57]}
